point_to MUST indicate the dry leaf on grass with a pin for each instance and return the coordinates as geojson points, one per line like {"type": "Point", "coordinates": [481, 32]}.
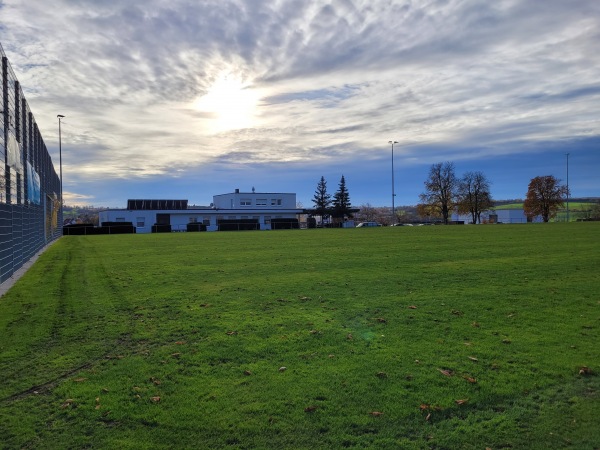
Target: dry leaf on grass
{"type": "Point", "coordinates": [446, 372]}
{"type": "Point", "coordinates": [68, 402]}
{"type": "Point", "coordinates": [461, 401]}
{"type": "Point", "coordinates": [311, 408]}
{"type": "Point", "coordinates": [584, 370]}
{"type": "Point", "coordinates": [376, 413]}
{"type": "Point", "coordinates": [155, 399]}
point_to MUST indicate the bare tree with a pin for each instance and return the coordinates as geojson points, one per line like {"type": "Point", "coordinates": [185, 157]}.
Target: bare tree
{"type": "Point", "coordinates": [474, 195]}
{"type": "Point", "coordinates": [544, 197]}
{"type": "Point", "coordinates": [440, 189]}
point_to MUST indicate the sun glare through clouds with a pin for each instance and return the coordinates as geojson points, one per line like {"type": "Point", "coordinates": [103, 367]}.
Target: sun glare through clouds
{"type": "Point", "coordinates": [231, 103]}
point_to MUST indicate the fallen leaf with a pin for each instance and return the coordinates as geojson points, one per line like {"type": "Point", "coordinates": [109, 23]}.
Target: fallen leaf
{"type": "Point", "coordinates": [247, 373]}
{"type": "Point", "coordinates": [584, 370]}
{"type": "Point", "coordinates": [471, 379]}
{"type": "Point", "coordinates": [282, 369]}
{"type": "Point", "coordinates": [475, 324]}
{"type": "Point", "coordinates": [446, 372]}
{"type": "Point", "coordinates": [180, 342]}
{"type": "Point", "coordinates": [381, 320]}
{"type": "Point", "coordinates": [382, 375]}
{"type": "Point", "coordinates": [175, 355]}
{"type": "Point", "coordinates": [155, 381]}
{"type": "Point", "coordinates": [428, 416]}
{"type": "Point", "coordinates": [314, 331]}
{"type": "Point", "coordinates": [376, 413]}
{"type": "Point", "coordinates": [424, 406]}
{"type": "Point", "coordinates": [79, 380]}
{"type": "Point", "coordinates": [472, 358]}
{"type": "Point", "coordinates": [155, 399]}
{"type": "Point", "coordinates": [332, 356]}
{"type": "Point", "coordinates": [349, 337]}
{"type": "Point", "coordinates": [461, 401]}
{"type": "Point", "coordinates": [68, 402]}
{"type": "Point", "coordinates": [311, 408]}
{"type": "Point", "coordinates": [412, 307]}
{"type": "Point", "coordinates": [231, 333]}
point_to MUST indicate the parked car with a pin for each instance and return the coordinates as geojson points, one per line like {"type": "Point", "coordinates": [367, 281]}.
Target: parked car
{"type": "Point", "coordinates": [367, 224]}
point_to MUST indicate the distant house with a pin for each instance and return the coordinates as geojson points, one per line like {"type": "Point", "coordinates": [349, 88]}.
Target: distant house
{"type": "Point", "coordinates": [513, 215]}
{"type": "Point", "coordinates": [233, 211]}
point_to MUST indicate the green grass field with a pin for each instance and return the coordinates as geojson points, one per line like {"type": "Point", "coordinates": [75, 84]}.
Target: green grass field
{"type": "Point", "coordinates": [439, 337]}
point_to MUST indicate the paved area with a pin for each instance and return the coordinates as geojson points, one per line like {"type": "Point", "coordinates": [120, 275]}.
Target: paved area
{"type": "Point", "coordinates": [4, 287]}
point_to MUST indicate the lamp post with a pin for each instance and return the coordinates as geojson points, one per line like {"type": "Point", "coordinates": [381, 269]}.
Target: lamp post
{"type": "Point", "coordinates": [393, 194]}
{"type": "Point", "coordinates": [567, 187]}
{"type": "Point", "coordinates": [60, 116]}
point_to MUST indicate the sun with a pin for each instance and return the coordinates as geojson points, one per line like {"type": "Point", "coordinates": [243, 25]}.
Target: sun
{"type": "Point", "coordinates": [231, 103]}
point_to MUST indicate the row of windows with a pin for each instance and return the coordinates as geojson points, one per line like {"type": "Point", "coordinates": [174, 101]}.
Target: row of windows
{"type": "Point", "coordinates": [140, 222]}
{"type": "Point", "coordinates": [260, 202]}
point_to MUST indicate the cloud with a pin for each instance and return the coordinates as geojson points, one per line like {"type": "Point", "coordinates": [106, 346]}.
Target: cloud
{"type": "Point", "coordinates": [334, 80]}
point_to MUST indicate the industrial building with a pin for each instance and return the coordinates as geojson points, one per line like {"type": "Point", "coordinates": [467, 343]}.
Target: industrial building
{"type": "Point", "coordinates": [233, 211]}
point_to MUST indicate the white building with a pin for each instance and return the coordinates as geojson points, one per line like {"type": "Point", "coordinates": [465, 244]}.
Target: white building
{"type": "Point", "coordinates": [244, 210]}
{"type": "Point", "coordinates": [513, 215]}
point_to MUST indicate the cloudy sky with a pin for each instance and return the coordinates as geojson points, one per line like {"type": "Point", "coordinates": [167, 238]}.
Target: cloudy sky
{"type": "Point", "coordinates": [188, 98]}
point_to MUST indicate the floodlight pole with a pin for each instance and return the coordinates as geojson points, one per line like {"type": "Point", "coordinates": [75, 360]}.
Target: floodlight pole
{"type": "Point", "coordinates": [393, 193]}
{"type": "Point", "coordinates": [60, 116]}
{"type": "Point", "coordinates": [567, 187]}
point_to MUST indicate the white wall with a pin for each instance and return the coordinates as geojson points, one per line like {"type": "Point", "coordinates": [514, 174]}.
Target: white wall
{"type": "Point", "coordinates": [255, 200]}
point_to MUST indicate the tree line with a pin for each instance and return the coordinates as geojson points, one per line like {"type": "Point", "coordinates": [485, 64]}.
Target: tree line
{"type": "Point", "coordinates": [470, 194]}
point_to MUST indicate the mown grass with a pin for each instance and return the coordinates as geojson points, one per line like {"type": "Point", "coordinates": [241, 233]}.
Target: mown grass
{"type": "Point", "coordinates": [407, 337]}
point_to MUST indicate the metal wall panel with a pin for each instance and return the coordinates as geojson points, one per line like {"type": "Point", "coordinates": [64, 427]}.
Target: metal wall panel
{"type": "Point", "coordinates": [27, 223]}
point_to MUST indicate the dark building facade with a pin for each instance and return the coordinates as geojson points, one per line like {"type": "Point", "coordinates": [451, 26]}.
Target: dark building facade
{"type": "Point", "coordinates": [30, 209]}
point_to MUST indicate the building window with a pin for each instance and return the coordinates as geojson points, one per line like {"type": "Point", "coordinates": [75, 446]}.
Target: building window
{"type": "Point", "coordinates": [275, 202]}
{"type": "Point", "coordinates": [245, 202]}
{"type": "Point", "coordinates": [193, 219]}
{"type": "Point", "coordinates": [261, 202]}
{"type": "Point", "coordinates": [140, 222]}
{"type": "Point", "coordinates": [206, 222]}
{"type": "Point", "coordinates": [267, 220]}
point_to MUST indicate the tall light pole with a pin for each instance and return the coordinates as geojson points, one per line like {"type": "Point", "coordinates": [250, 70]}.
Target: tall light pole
{"type": "Point", "coordinates": [393, 193]}
{"type": "Point", "coordinates": [567, 187]}
{"type": "Point", "coordinates": [60, 116]}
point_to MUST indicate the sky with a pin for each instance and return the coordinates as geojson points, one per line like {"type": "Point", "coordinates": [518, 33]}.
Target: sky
{"type": "Point", "coordinates": [186, 99]}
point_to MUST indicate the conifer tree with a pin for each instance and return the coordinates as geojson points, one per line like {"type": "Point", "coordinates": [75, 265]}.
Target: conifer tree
{"type": "Point", "coordinates": [341, 201]}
